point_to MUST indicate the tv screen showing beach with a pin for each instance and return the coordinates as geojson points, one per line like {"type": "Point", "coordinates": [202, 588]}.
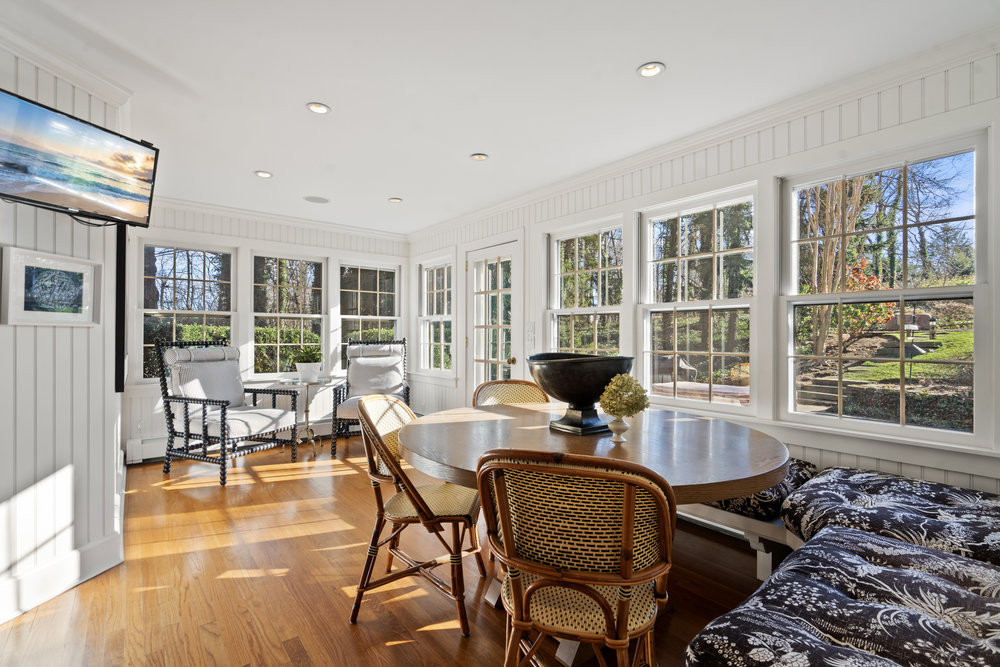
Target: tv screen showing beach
{"type": "Point", "coordinates": [54, 160]}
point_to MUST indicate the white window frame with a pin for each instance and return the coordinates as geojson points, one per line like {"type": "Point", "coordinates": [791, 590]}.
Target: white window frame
{"type": "Point", "coordinates": [554, 311]}
{"type": "Point", "coordinates": [424, 320]}
{"type": "Point", "coordinates": [136, 340]}
{"type": "Point", "coordinates": [397, 318]}
{"type": "Point", "coordinates": [254, 314]}
{"type": "Point", "coordinates": [982, 435]}
{"type": "Point", "coordinates": [710, 200]}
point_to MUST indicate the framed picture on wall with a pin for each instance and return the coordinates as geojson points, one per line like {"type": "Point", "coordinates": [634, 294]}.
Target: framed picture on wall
{"type": "Point", "coordinates": [41, 289]}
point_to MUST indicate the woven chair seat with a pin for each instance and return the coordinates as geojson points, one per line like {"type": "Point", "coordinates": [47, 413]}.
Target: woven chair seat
{"type": "Point", "coordinates": [570, 611]}
{"type": "Point", "coordinates": [444, 499]}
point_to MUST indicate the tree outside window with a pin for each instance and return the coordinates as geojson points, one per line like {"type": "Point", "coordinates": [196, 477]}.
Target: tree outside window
{"type": "Point", "coordinates": [186, 295]}
{"type": "Point", "coordinates": [707, 256]}
{"type": "Point", "coordinates": [367, 305]}
{"type": "Point", "coordinates": [288, 311]}
{"type": "Point", "coordinates": [589, 283]}
{"type": "Point", "coordinates": [907, 359]}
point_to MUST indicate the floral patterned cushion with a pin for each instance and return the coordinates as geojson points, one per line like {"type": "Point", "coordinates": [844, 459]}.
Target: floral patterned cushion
{"type": "Point", "coordinates": [851, 598]}
{"type": "Point", "coordinates": [766, 505]}
{"type": "Point", "coordinates": [936, 515]}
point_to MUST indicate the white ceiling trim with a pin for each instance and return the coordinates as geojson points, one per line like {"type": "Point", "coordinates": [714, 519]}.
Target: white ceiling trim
{"type": "Point", "coordinates": [246, 214]}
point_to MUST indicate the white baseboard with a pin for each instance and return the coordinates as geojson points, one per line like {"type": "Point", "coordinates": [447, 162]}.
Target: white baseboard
{"type": "Point", "coordinates": [20, 593]}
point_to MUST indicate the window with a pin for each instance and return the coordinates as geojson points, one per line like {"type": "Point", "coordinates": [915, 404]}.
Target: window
{"type": "Point", "coordinates": [367, 305]}
{"type": "Point", "coordinates": [905, 357]}
{"type": "Point", "coordinates": [588, 280]}
{"type": "Point", "coordinates": [288, 311]}
{"type": "Point", "coordinates": [704, 255]}
{"type": "Point", "coordinates": [187, 295]}
{"type": "Point", "coordinates": [436, 320]}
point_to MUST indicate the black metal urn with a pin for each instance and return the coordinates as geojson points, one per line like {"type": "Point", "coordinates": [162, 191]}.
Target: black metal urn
{"type": "Point", "coordinates": [577, 379]}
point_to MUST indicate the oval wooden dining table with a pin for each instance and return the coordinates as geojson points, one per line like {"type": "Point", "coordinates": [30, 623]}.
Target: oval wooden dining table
{"type": "Point", "coordinates": [702, 458]}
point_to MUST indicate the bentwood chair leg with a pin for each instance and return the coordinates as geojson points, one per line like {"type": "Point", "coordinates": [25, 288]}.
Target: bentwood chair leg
{"type": "Point", "coordinates": [622, 655]}
{"type": "Point", "coordinates": [458, 579]}
{"type": "Point", "coordinates": [393, 544]}
{"type": "Point", "coordinates": [366, 572]}
{"type": "Point", "coordinates": [474, 540]}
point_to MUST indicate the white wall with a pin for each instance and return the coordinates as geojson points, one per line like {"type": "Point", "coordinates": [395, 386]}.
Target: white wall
{"type": "Point", "coordinates": [62, 478]}
{"type": "Point", "coordinates": [943, 95]}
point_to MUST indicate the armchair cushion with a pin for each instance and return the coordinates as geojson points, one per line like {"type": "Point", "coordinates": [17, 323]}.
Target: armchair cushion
{"type": "Point", "coordinates": [370, 374]}
{"type": "Point", "coordinates": [210, 372]}
{"type": "Point", "coordinates": [244, 422]}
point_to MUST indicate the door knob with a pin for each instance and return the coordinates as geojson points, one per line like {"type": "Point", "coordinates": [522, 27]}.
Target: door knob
{"type": "Point", "coordinates": [511, 360]}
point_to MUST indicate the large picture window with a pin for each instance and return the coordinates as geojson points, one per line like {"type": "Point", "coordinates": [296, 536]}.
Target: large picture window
{"type": "Point", "coordinates": [367, 305]}
{"type": "Point", "coordinates": [186, 295]}
{"type": "Point", "coordinates": [588, 281]}
{"type": "Point", "coordinates": [906, 357]}
{"type": "Point", "coordinates": [705, 256]}
{"type": "Point", "coordinates": [436, 319]}
{"type": "Point", "coordinates": [288, 311]}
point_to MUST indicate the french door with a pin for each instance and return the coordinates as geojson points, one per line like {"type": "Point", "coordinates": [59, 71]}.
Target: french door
{"type": "Point", "coordinates": [494, 279]}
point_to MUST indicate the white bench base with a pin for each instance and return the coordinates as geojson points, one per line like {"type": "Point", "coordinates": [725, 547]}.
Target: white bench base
{"type": "Point", "coordinates": [769, 539]}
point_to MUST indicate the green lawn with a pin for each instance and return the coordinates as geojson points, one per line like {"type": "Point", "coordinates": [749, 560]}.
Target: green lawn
{"type": "Point", "coordinates": [954, 346]}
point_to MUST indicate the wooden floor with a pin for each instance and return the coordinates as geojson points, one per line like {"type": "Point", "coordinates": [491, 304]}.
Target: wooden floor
{"type": "Point", "coordinates": [264, 571]}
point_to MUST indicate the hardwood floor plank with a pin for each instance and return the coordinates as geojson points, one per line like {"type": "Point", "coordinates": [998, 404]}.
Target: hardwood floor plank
{"type": "Point", "coordinates": [264, 572]}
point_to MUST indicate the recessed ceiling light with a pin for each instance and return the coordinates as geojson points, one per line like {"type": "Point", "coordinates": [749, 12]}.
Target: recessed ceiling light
{"type": "Point", "coordinates": [395, 200]}
{"type": "Point", "coordinates": [317, 200]}
{"type": "Point", "coordinates": [479, 157]}
{"type": "Point", "coordinates": [260, 173]}
{"type": "Point", "coordinates": [651, 69]}
{"type": "Point", "coordinates": [318, 107]}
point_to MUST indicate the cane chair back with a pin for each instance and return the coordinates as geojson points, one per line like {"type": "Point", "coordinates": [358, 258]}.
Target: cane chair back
{"type": "Point", "coordinates": [503, 392]}
{"type": "Point", "coordinates": [437, 506]}
{"type": "Point", "coordinates": [587, 544]}
{"type": "Point", "coordinates": [381, 418]}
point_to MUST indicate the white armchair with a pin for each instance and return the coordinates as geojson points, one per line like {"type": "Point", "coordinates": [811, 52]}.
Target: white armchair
{"type": "Point", "coordinates": [373, 367]}
{"type": "Point", "coordinates": [205, 403]}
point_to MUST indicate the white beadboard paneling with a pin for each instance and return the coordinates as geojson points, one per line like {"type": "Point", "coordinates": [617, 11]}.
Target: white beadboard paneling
{"type": "Point", "coordinates": [935, 94]}
{"type": "Point", "coordinates": [868, 108]}
{"type": "Point", "coordinates": [911, 101]}
{"type": "Point", "coordinates": [57, 411]}
{"type": "Point", "coordinates": [984, 79]}
{"type": "Point", "coordinates": [889, 107]}
{"type": "Point", "coordinates": [814, 130]}
{"type": "Point", "coordinates": [959, 86]}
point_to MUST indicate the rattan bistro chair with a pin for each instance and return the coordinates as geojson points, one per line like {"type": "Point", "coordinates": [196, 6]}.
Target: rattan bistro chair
{"type": "Point", "coordinates": [502, 392]}
{"type": "Point", "coordinates": [586, 542]}
{"type": "Point", "coordinates": [205, 405]}
{"type": "Point", "coordinates": [447, 511]}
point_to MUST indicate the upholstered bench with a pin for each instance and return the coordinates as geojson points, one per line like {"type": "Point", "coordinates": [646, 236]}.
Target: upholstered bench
{"type": "Point", "coordinates": [756, 518]}
{"type": "Point", "coordinates": [766, 505]}
{"type": "Point", "coordinates": [848, 597]}
{"type": "Point", "coordinates": [932, 514]}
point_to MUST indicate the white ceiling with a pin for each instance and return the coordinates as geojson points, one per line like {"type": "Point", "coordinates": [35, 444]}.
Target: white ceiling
{"type": "Point", "coordinates": [546, 87]}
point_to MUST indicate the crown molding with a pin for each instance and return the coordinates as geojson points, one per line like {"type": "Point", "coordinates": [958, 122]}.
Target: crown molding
{"type": "Point", "coordinates": [964, 50]}
{"type": "Point", "coordinates": [108, 91]}
{"type": "Point", "coordinates": [246, 214]}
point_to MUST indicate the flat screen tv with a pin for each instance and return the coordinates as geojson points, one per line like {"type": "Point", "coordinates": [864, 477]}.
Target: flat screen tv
{"type": "Point", "coordinates": [55, 161]}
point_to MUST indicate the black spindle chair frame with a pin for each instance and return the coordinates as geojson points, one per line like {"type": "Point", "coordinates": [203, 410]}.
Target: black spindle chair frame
{"type": "Point", "coordinates": [195, 444]}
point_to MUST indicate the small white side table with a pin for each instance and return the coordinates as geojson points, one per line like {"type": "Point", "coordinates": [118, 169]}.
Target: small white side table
{"type": "Point", "coordinates": [307, 386]}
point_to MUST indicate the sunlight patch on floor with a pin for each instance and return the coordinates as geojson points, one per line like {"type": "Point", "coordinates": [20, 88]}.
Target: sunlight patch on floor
{"type": "Point", "coordinates": [253, 573]}
{"type": "Point", "coordinates": [444, 625]}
